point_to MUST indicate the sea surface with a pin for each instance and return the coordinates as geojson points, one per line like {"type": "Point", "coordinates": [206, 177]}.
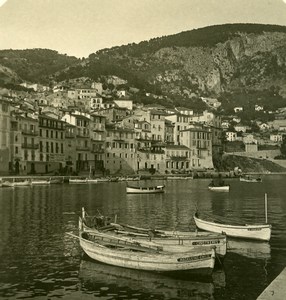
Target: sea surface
{"type": "Point", "coordinates": [38, 260]}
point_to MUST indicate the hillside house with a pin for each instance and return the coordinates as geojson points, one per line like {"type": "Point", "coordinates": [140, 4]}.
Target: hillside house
{"type": "Point", "coordinates": [231, 136]}
{"type": "Point", "coordinates": [276, 138]}
{"type": "Point", "coordinates": [238, 109]}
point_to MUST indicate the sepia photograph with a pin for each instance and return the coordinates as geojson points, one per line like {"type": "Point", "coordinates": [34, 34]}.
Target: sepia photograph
{"type": "Point", "coordinates": [143, 149]}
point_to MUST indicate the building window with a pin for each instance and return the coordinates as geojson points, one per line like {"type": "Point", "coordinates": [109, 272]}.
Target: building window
{"type": "Point", "coordinates": [16, 150]}
{"type": "Point", "coordinates": [47, 133]}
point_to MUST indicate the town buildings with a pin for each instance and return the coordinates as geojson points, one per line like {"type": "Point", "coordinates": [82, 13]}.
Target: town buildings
{"type": "Point", "coordinates": [82, 130]}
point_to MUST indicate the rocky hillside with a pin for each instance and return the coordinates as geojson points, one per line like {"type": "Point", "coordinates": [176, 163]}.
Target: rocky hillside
{"type": "Point", "coordinates": [236, 62]}
{"type": "Point", "coordinates": [212, 61]}
{"type": "Point", "coordinates": [249, 165]}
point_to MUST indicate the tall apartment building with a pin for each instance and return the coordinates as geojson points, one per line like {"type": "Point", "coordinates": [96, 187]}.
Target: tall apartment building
{"type": "Point", "coordinates": [51, 144]}
{"type": "Point", "coordinates": [199, 139]}
{"type": "Point", "coordinates": [120, 156]}
{"type": "Point", "coordinates": [4, 136]}
{"type": "Point", "coordinates": [98, 136]}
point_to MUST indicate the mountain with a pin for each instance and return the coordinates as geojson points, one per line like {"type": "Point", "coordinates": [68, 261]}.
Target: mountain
{"type": "Point", "coordinates": [33, 65]}
{"type": "Point", "coordinates": [219, 60]}
{"type": "Point", "coordinates": [241, 64]}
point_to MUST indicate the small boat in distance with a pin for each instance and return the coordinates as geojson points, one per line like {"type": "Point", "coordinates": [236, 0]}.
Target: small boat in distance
{"type": "Point", "coordinates": [255, 232]}
{"type": "Point", "coordinates": [218, 187]}
{"type": "Point", "coordinates": [145, 190]}
{"type": "Point", "coordinates": [7, 183]}
{"type": "Point", "coordinates": [77, 180]}
{"type": "Point", "coordinates": [248, 178]}
{"type": "Point", "coordinates": [56, 180]}
{"type": "Point", "coordinates": [26, 182]}
{"type": "Point", "coordinates": [40, 182]}
{"type": "Point", "coordinates": [124, 252]}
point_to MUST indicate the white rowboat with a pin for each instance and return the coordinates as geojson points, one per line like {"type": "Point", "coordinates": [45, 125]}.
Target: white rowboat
{"type": "Point", "coordinates": [224, 188]}
{"type": "Point", "coordinates": [120, 252]}
{"type": "Point", "coordinates": [145, 190]}
{"type": "Point", "coordinates": [256, 232]}
{"type": "Point", "coordinates": [40, 182]}
{"type": "Point", "coordinates": [77, 180]}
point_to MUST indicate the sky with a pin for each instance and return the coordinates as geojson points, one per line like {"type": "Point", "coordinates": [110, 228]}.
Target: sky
{"type": "Point", "coordinates": [81, 27]}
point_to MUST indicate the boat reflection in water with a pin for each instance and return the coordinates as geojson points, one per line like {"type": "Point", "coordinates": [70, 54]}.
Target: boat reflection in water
{"type": "Point", "coordinates": [250, 249]}
{"type": "Point", "coordinates": [93, 274]}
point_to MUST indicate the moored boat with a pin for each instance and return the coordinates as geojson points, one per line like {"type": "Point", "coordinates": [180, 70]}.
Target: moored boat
{"type": "Point", "coordinates": [134, 255]}
{"type": "Point", "coordinates": [7, 183]}
{"type": "Point", "coordinates": [77, 180]}
{"type": "Point", "coordinates": [219, 186]}
{"type": "Point", "coordinates": [26, 182]}
{"type": "Point", "coordinates": [40, 182]}
{"type": "Point", "coordinates": [223, 188]}
{"type": "Point", "coordinates": [145, 190]}
{"type": "Point", "coordinates": [92, 180]}
{"type": "Point", "coordinates": [256, 232]}
{"type": "Point", "coordinates": [249, 178]}
{"type": "Point", "coordinates": [56, 180]}
{"type": "Point", "coordinates": [170, 241]}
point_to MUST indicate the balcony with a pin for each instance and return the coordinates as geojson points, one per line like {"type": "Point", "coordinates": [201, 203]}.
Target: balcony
{"type": "Point", "coordinates": [30, 146]}
{"type": "Point", "coordinates": [99, 127]}
{"type": "Point", "coordinates": [98, 151]}
{"type": "Point", "coordinates": [82, 148]}
{"type": "Point", "coordinates": [148, 150]}
{"type": "Point", "coordinates": [30, 132]}
{"type": "Point", "coordinates": [142, 138]}
{"type": "Point", "coordinates": [82, 135]}
{"type": "Point", "coordinates": [118, 138]}
{"type": "Point", "coordinates": [69, 135]}
{"type": "Point", "coordinates": [178, 158]}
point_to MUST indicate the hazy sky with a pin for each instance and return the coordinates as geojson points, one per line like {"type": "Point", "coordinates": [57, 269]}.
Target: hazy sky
{"type": "Point", "coordinates": [81, 27]}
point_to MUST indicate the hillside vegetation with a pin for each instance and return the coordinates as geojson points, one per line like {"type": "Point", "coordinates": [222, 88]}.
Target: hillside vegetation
{"type": "Point", "coordinates": [241, 64]}
{"type": "Point", "coordinates": [249, 165]}
{"type": "Point", "coordinates": [34, 65]}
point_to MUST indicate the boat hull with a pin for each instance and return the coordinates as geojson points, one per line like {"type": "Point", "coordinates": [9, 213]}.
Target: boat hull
{"type": "Point", "coordinates": [219, 188]}
{"type": "Point", "coordinates": [145, 190]}
{"type": "Point", "coordinates": [77, 181]}
{"type": "Point", "coordinates": [7, 184]}
{"type": "Point", "coordinates": [258, 180]}
{"type": "Point", "coordinates": [40, 182]}
{"type": "Point", "coordinates": [160, 262]}
{"type": "Point", "coordinates": [172, 241]}
{"type": "Point", "coordinates": [22, 183]}
{"type": "Point", "coordinates": [255, 232]}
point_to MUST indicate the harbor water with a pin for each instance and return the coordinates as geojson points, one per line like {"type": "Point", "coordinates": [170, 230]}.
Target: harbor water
{"type": "Point", "coordinates": [39, 260]}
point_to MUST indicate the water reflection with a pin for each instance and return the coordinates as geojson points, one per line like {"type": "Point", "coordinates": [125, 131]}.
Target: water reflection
{"type": "Point", "coordinates": [251, 249]}
{"type": "Point", "coordinates": [38, 260]}
{"type": "Point", "coordinates": [127, 283]}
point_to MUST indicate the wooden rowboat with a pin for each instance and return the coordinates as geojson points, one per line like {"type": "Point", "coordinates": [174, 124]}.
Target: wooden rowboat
{"type": "Point", "coordinates": [170, 241]}
{"type": "Point", "coordinates": [145, 190]}
{"type": "Point", "coordinates": [134, 255]}
{"type": "Point", "coordinates": [256, 232]}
